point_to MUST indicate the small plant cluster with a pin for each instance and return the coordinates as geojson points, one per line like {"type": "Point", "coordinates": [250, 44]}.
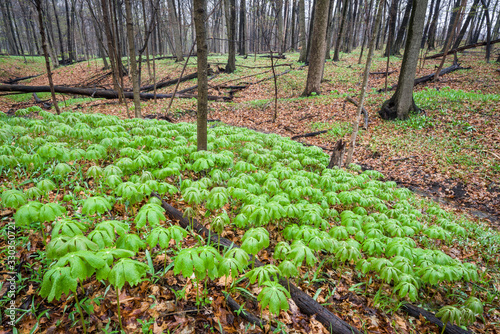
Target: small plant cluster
{"type": "Point", "coordinates": [77, 169]}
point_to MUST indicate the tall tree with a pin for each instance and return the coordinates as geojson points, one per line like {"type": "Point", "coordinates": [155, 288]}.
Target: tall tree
{"type": "Point", "coordinates": [302, 31]}
{"type": "Point", "coordinates": [393, 13]}
{"type": "Point", "coordinates": [132, 56]}
{"type": "Point", "coordinates": [470, 16]}
{"type": "Point", "coordinates": [343, 18]}
{"type": "Point", "coordinates": [398, 44]}
{"type": "Point", "coordinates": [401, 103]}
{"type": "Point", "coordinates": [174, 23]}
{"type": "Point", "coordinates": [366, 74]}
{"type": "Point", "coordinates": [318, 47]}
{"type": "Point", "coordinates": [38, 6]}
{"type": "Point", "coordinates": [431, 41]}
{"type": "Point", "coordinates": [243, 36]}
{"type": "Point", "coordinates": [200, 14]}
{"type": "Point", "coordinates": [231, 36]}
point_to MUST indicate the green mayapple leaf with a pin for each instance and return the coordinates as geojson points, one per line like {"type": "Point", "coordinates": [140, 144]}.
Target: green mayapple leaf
{"type": "Point", "coordinates": [56, 281]}
{"type": "Point", "coordinates": [113, 226]}
{"type": "Point", "coordinates": [131, 242]}
{"type": "Point", "coordinates": [150, 213]}
{"type": "Point", "coordinates": [189, 261]}
{"type": "Point", "coordinates": [300, 253]}
{"type": "Point", "coordinates": [288, 269]}
{"type": "Point", "coordinates": [275, 296]}
{"type": "Point", "coordinates": [263, 274]}
{"type": "Point", "coordinates": [127, 271]}
{"type": "Point", "coordinates": [49, 212]}
{"type": "Point", "coordinates": [28, 213]}
{"type": "Point", "coordinates": [97, 204]}
{"type": "Point", "coordinates": [13, 199]}
{"type": "Point", "coordinates": [68, 227]}
{"type": "Point", "coordinates": [82, 263]}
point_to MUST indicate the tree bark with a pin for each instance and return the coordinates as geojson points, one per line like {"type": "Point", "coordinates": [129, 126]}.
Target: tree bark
{"type": "Point", "coordinates": [133, 63]}
{"type": "Point", "coordinates": [341, 31]}
{"type": "Point", "coordinates": [470, 16]}
{"type": "Point", "coordinates": [401, 103]}
{"type": "Point", "coordinates": [174, 23]}
{"type": "Point", "coordinates": [38, 5]}
{"type": "Point", "coordinates": [302, 32]}
{"type": "Point", "coordinates": [242, 37]}
{"type": "Point", "coordinates": [364, 87]}
{"type": "Point", "coordinates": [393, 13]}
{"type": "Point", "coordinates": [200, 14]}
{"type": "Point", "coordinates": [318, 46]}
{"type": "Point", "coordinates": [450, 38]}
{"type": "Point", "coordinates": [231, 35]}
{"type": "Point", "coordinates": [398, 44]}
{"type": "Point", "coordinates": [431, 41]}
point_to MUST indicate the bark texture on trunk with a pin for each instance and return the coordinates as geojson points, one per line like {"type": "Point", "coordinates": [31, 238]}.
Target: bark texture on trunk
{"type": "Point", "coordinates": [302, 31]}
{"type": "Point", "coordinates": [231, 35]}
{"type": "Point", "coordinates": [401, 103]}
{"type": "Point", "coordinates": [318, 47]}
{"type": "Point", "coordinates": [200, 14]}
{"type": "Point", "coordinates": [38, 5]}
{"type": "Point", "coordinates": [174, 23]}
{"type": "Point", "coordinates": [133, 62]}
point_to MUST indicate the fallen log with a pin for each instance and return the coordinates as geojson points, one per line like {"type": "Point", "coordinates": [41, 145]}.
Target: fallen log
{"type": "Point", "coordinates": [278, 75]}
{"type": "Point", "coordinates": [241, 312]}
{"type": "Point", "coordinates": [415, 311]}
{"type": "Point", "coordinates": [16, 80]}
{"type": "Point", "coordinates": [365, 113]}
{"type": "Point", "coordinates": [337, 155]}
{"type": "Point", "coordinates": [167, 83]}
{"type": "Point", "coordinates": [306, 304]}
{"type": "Point", "coordinates": [310, 134]}
{"type": "Point", "coordinates": [268, 66]}
{"type": "Point", "coordinates": [184, 91]}
{"type": "Point", "coordinates": [429, 77]}
{"type": "Point", "coordinates": [273, 56]}
{"type": "Point", "coordinates": [470, 46]}
{"type": "Point", "coordinates": [382, 73]}
{"type": "Point", "coordinates": [99, 93]}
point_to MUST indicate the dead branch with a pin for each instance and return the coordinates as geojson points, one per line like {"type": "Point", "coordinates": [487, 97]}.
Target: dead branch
{"type": "Point", "coordinates": [310, 134]}
{"type": "Point", "coordinates": [429, 77]}
{"type": "Point", "coordinates": [365, 125]}
{"type": "Point", "coordinates": [167, 83]}
{"type": "Point", "coordinates": [470, 46]}
{"type": "Point", "coordinates": [99, 93]}
{"type": "Point", "coordinates": [415, 311]}
{"type": "Point", "coordinates": [306, 304]}
{"type": "Point", "coordinates": [241, 312]}
{"type": "Point", "coordinates": [382, 73]}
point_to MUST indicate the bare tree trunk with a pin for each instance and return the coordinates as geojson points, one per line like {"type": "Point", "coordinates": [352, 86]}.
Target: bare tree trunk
{"type": "Point", "coordinates": [366, 74]}
{"type": "Point", "coordinates": [133, 63]}
{"type": "Point", "coordinates": [59, 34]}
{"type": "Point", "coordinates": [174, 23]}
{"type": "Point", "coordinates": [302, 31]}
{"type": "Point", "coordinates": [38, 5]}
{"type": "Point", "coordinates": [450, 39]}
{"type": "Point", "coordinates": [243, 36]}
{"type": "Point", "coordinates": [488, 30]}
{"type": "Point", "coordinates": [431, 41]}
{"type": "Point", "coordinates": [200, 14]}
{"type": "Point", "coordinates": [398, 44]}
{"type": "Point", "coordinates": [231, 35]}
{"type": "Point", "coordinates": [401, 103]}
{"type": "Point", "coordinates": [318, 46]}
{"type": "Point", "coordinates": [341, 31]}
{"type": "Point", "coordinates": [470, 16]}
{"type": "Point", "coordinates": [393, 12]}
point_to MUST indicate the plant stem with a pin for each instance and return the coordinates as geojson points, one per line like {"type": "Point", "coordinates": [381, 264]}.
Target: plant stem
{"type": "Point", "coordinates": [44, 238]}
{"type": "Point", "coordinates": [81, 313]}
{"type": "Point", "coordinates": [118, 307]}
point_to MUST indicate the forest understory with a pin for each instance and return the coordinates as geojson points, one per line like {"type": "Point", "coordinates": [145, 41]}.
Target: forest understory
{"type": "Point", "coordinates": [449, 153]}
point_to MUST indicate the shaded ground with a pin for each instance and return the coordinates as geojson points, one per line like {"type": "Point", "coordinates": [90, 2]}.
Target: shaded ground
{"type": "Point", "coordinates": [453, 153]}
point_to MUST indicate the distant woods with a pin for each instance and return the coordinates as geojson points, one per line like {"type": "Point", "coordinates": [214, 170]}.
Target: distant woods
{"type": "Point", "coordinates": [84, 29]}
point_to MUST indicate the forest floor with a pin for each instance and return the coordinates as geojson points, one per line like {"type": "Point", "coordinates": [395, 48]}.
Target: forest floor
{"type": "Point", "coordinates": [451, 154]}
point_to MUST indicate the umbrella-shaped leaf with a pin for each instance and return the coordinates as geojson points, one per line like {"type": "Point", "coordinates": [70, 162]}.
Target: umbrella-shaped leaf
{"type": "Point", "coordinates": [127, 271]}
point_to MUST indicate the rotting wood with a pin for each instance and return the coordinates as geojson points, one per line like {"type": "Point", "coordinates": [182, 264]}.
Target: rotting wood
{"type": "Point", "coordinates": [337, 155]}
{"type": "Point", "coordinates": [305, 303]}
{"type": "Point", "coordinates": [256, 67]}
{"type": "Point", "coordinates": [416, 312]}
{"type": "Point", "coordinates": [16, 80]}
{"type": "Point", "coordinates": [403, 159]}
{"type": "Point", "coordinates": [310, 134]}
{"type": "Point", "coordinates": [365, 113]}
{"type": "Point", "coordinates": [167, 83]}
{"type": "Point", "coordinates": [242, 313]}
{"type": "Point", "coordinates": [429, 77]}
{"type": "Point", "coordinates": [99, 93]}
{"type": "Point", "coordinates": [186, 90]}
{"type": "Point", "coordinates": [465, 47]}
{"type": "Point", "coordinates": [383, 73]}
